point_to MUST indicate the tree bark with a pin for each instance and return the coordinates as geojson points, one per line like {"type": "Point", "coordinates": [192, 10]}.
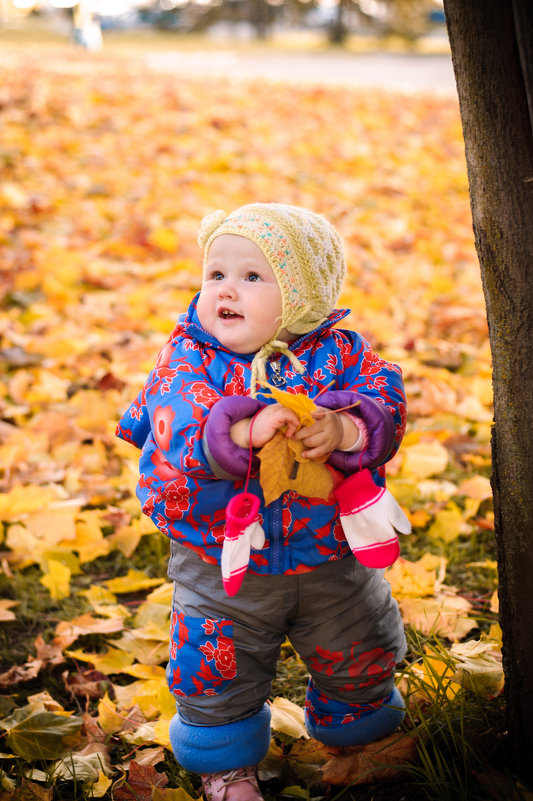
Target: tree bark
{"type": "Point", "coordinates": [490, 40]}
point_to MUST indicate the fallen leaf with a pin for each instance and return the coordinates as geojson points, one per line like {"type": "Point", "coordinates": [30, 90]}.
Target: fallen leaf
{"type": "Point", "coordinates": [380, 761]}
{"type": "Point", "coordinates": [87, 684]}
{"type": "Point", "coordinates": [424, 459]}
{"type": "Point", "coordinates": [68, 631]}
{"type": "Point", "coordinates": [432, 680]}
{"type": "Point", "coordinates": [445, 615]}
{"type": "Point", "coordinates": [20, 501]}
{"type": "Point", "coordinates": [150, 756]}
{"type": "Point", "coordinates": [288, 718]}
{"type": "Point", "coordinates": [140, 783]}
{"type": "Point", "coordinates": [29, 791]}
{"type": "Point", "coordinates": [5, 610]}
{"type": "Point", "coordinates": [109, 719]}
{"type": "Point", "coordinates": [100, 787]}
{"type": "Point", "coordinates": [416, 579]}
{"type": "Point", "coordinates": [478, 666]}
{"type": "Point", "coordinates": [477, 487]}
{"type": "Point", "coordinates": [114, 660]}
{"type": "Point", "coordinates": [57, 580]}
{"type": "Point", "coordinates": [85, 768]}
{"type": "Point", "coordinates": [134, 581]}
{"type": "Point", "coordinates": [35, 735]}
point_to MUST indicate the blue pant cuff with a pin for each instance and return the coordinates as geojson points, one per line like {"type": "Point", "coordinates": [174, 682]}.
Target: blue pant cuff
{"type": "Point", "coordinates": [364, 730]}
{"type": "Point", "coordinates": [209, 749]}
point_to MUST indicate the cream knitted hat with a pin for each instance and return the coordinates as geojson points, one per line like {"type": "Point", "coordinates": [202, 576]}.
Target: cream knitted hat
{"type": "Point", "coordinates": [303, 249]}
{"type": "Point", "coordinates": [306, 255]}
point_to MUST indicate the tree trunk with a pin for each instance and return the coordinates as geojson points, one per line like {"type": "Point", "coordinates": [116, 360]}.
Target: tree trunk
{"type": "Point", "coordinates": [490, 42]}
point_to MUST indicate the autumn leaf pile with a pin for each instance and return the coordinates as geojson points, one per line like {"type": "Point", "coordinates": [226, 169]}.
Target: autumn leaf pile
{"type": "Point", "coordinates": [105, 171]}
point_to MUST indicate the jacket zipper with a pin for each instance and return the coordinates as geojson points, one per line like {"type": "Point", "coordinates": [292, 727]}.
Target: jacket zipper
{"type": "Point", "coordinates": [277, 379]}
{"type": "Point", "coordinates": [277, 533]}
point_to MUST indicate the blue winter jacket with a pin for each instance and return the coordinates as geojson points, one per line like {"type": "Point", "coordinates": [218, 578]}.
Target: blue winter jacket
{"type": "Point", "coordinates": [190, 468]}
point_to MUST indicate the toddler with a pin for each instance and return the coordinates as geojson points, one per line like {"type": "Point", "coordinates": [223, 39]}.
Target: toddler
{"type": "Point", "coordinates": [265, 313]}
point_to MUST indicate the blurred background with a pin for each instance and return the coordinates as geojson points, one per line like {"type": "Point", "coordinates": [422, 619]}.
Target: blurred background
{"type": "Point", "coordinates": [414, 22]}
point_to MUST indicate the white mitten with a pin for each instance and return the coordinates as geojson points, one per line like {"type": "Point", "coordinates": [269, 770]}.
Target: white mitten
{"type": "Point", "coordinates": [243, 532]}
{"type": "Point", "coordinates": [369, 514]}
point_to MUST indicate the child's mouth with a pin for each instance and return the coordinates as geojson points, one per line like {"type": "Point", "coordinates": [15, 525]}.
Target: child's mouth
{"type": "Point", "coordinates": [227, 314]}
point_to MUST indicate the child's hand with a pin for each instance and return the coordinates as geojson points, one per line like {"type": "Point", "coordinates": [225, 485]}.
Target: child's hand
{"type": "Point", "coordinates": [329, 432]}
{"type": "Point", "coordinates": [269, 420]}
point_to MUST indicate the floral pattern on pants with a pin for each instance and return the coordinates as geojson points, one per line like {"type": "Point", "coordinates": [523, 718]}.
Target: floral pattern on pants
{"type": "Point", "coordinates": [202, 655]}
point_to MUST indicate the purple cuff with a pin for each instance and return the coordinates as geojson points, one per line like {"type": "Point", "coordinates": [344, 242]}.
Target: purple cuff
{"type": "Point", "coordinates": [226, 458]}
{"type": "Point", "coordinates": [379, 424]}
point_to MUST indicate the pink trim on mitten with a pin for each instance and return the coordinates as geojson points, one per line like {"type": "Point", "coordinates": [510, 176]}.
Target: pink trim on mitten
{"type": "Point", "coordinates": [369, 516]}
{"type": "Point", "coordinates": [243, 532]}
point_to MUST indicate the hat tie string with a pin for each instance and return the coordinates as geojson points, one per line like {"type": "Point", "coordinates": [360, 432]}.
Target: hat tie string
{"type": "Point", "coordinates": [259, 375]}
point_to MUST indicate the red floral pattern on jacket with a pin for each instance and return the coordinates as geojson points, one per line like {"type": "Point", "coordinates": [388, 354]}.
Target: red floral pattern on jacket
{"type": "Point", "coordinates": [177, 487]}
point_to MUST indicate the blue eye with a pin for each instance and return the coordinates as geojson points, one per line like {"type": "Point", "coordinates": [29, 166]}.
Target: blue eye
{"type": "Point", "coordinates": [253, 277]}
{"type": "Point", "coordinates": [216, 275]}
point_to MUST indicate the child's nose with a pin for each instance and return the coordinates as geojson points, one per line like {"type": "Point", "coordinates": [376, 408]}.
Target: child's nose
{"type": "Point", "coordinates": [227, 290]}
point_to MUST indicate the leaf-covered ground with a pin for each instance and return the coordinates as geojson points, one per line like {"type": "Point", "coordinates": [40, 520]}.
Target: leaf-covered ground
{"type": "Point", "coordinates": [105, 171]}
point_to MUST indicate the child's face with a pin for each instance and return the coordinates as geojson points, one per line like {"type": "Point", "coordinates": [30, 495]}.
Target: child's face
{"type": "Point", "coordinates": [240, 301]}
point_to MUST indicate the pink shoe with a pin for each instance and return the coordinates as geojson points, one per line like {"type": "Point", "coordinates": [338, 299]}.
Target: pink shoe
{"type": "Point", "coordinates": [231, 785]}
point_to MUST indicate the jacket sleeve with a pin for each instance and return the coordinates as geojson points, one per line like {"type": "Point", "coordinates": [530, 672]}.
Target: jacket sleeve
{"type": "Point", "coordinates": [373, 389]}
{"type": "Point", "coordinates": [134, 425]}
{"type": "Point", "coordinates": [183, 414]}
{"type": "Point", "coordinates": [227, 459]}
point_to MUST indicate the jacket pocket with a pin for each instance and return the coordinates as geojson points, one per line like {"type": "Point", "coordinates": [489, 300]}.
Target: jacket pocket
{"type": "Point", "coordinates": [202, 655]}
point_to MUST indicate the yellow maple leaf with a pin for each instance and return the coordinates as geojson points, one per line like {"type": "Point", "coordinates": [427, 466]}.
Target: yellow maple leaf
{"type": "Point", "coordinates": [48, 388]}
{"type": "Point", "coordinates": [22, 500]}
{"type": "Point", "coordinates": [283, 468]}
{"type": "Point", "coordinates": [145, 650]}
{"type": "Point", "coordinates": [134, 581]}
{"type": "Point", "coordinates": [288, 717]}
{"type": "Point", "coordinates": [165, 701]}
{"type": "Point", "coordinates": [112, 661]}
{"type": "Point", "coordinates": [146, 671]}
{"type": "Point", "coordinates": [96, 594]}
{"type": "Point", "coordinates": [99, 788]}
{"type": "Point", "coordinates": [416, 579]}
{"type": "Point", "coordinates": [424, 459]}
{"type": "Point", "coordinates": [448, 524]}
{"type": "Point", "coordinates": [67, 631]}
{"type": "Point", "coordinates": [127, 538]}
{"type": "Point", "coordinates": [162, 594]}
{"type": "Point", "coordinates": [26, 549]}
{"type": "Point", "coordinates": [433, 678]}
{"type": "Point", "coordinates": [57, 580]}
{"type": "Point", "coordinates": [161, 730]}
{"type": "Point", "coordinates": [300, 403]}
{"type": "Point", "coordinates": [89, 541]}
{"type": "Point", "coordinates": [55, 523]}
{"type": "Point", "coordinates": [109, 719]}
{"type": "Point", "coordinates": [445, 615]}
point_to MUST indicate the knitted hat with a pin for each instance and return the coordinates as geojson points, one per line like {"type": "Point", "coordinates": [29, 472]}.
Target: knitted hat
{"type": "Point", "coordinates": [305, 253]}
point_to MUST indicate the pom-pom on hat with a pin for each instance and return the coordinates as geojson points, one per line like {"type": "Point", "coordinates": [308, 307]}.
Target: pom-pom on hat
{"type": "Point", "coordinates": [303, 249]}
{"type": "Point", "coordinates": [306, 255]}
